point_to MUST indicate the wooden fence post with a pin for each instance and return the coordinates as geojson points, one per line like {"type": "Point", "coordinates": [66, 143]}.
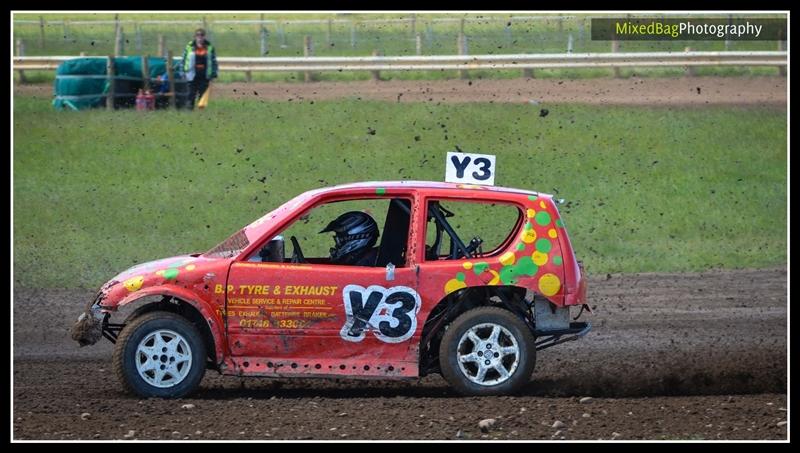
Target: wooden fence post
{"type": "Point", "coordinates": [527, 73]}
{"type": "Point", "coordinates": [308, 51]}
{"type": "Point", "coordinates": [414, 25]}
{"type": "Point", "coordinates": [171, 81]}
{"type": "Point", "coordinates": [41, 32]}
{"type": "Point", "coordinates": [161, 45]}
{"type": "Point", "coordinates": [262, 31]}
{"type": "Point", "coordinates": [781, 47]}
{"type": "Point", "coordinates": [21, 53]}
{"type": "Point", "coordinates": [145, 72]}
{"type": "Point", "coordinates": [116, 33]}
{"type": "Point", "coordinates": [329, 32]}
{"type": "Point", "coordinates": [138, 38]}
{"type": "Point", "coordinates": [282, 36]}
{"type": "Point", "coordinates": [352, 34]}
{"type": "Point", "coordinates": [727, 40]}
{"type": "Point", "coordinates": [110, 81]}
{"type": "Point", "coordinates": [419, 44]}
{"type": "Point", "coordinates": [615, 49]}
{"type": "Point", "coordinates": [119, 47]}
{"type": "Point", "coordinates": [376, 75]}
{"type": "Point", "coordinates": [264, 49]}
{"type": "Point", "coordinates": [462, 50]}
{"type": "Point", "coordinates": [691, 71]}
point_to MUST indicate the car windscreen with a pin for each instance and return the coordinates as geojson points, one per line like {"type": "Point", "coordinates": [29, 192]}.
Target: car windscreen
{"type": "Point", "coordinates": [230, 247]}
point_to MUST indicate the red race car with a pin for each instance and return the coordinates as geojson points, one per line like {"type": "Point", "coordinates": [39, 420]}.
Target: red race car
{"type": "Point", "coordinates": [424, 294]}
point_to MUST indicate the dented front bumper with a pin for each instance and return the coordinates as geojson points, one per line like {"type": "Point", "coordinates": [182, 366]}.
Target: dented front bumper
{"type": "Point", "coordinates": [88, 329]}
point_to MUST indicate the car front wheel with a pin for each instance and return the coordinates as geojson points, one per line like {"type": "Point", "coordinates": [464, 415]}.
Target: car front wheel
{"type": "Point", "coordinates": [487, 351]}
{"type": "Point", "coordinates": [160, 354]}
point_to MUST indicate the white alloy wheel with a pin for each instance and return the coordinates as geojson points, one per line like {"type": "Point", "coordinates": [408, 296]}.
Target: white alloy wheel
{"type": "Point", "coordinates": [163, 358]}
{"type": "Point", "coordinates": [488, 354]}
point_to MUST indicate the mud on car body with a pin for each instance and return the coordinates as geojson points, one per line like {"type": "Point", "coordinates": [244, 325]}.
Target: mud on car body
{"type": "Point", "coordinates": [430, 301]}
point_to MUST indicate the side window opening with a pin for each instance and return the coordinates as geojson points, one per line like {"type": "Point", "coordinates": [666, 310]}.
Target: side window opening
{"type": "Point", "coordinates": [468, 229]}
{"type": "Point", "coordinates": [364, 232]}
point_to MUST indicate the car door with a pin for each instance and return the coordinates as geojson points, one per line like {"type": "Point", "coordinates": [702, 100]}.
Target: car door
{"type": "Point", "coordinates": [466, 247]}
{"type": "Point", "coordinates": [320, 318]}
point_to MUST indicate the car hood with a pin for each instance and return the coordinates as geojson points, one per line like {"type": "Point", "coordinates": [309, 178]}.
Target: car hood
{"type": "Point", "coordinates": [155, 267]}
{"type": "Point", "coordinates": [182, 270]}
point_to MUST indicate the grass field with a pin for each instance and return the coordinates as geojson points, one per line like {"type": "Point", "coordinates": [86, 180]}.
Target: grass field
{"type": "Point", "coordinates": [359, 34]}
{"type": "Point", "coordinates": [648, 189]}
{"type": "Point", "coordinates": [486, 34]}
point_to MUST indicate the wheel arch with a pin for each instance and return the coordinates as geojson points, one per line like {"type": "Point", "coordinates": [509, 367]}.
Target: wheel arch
{"type": "Point", "coordinates": [450, 307]}
{"type": "Point", "coordinates": [187, 305]}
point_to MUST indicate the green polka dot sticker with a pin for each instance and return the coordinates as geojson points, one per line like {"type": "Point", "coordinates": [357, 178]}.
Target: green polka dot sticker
{"type": "Point", "coordinates": [559, 223]}
{"type": "Point", "coordinates": [557, 260]}
{"type": "Point", "coordinates": [543, 245]}
{"type": "Point", "coordinates": [380, 191]}
{"type": "Point", "coordinates": [460, 276]}
{"type": "Point", "coordinates": [479, 268]}
{"type": "Point", "coordinates": [508, 275]}
{"type": "Point", "coordinates": [171, 273]}
{"type": "Point", "coordinates": [520, 246]}
{"type": "Point", "coordinates": [543, 218]}
{"type": "Point", "coordinates": [532, 197]}
{"type": "Point", "coordinates": [525, 266]}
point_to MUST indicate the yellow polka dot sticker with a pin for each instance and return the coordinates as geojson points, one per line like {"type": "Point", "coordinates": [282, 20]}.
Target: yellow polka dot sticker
{"type": "Point", "coordinates": [192, 266]}
{"type": "Point", "coordinates": [467, 265]}
{"type": "Point", "coordinates": [496, 277]}
{"type": "Point", "coordinates": [539, 258]}
{"type": "Point", "coordinates": [531, 213]}
{"type": "Point", "coordinates": [507, 259]}
{"type": "Point", "coordinates": [453, 285]}
{"type": "Point", "coordinates": [552, 233]}
{"type": "Point", "coordinates": [528, 236]}
{"type": "Point", "coordinates": [549, 284]}
{"type": "Point", "coordinates": [542, 205]}
{"type": "Point", "coordinates": [134, 283]}
{"type": "Point", "coordinates": [160, 273]}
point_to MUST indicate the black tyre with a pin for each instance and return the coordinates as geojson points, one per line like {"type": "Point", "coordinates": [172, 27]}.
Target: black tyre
{"type": "Point", "coordinates": [487, 351]}
{"type": "Point", "coordinates": [160, 354]}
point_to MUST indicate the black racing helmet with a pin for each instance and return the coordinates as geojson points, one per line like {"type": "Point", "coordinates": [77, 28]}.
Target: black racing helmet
{"type": "Point", "coordinates": [355, 232]}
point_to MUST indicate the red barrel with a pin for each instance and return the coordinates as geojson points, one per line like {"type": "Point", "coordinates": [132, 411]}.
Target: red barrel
{"type": "Point", "coordinates": [150, 100]}
{"type": "Point", "coordinates": [141, 101]}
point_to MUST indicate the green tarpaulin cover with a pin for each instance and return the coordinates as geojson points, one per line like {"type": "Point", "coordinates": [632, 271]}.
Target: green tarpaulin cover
{"type": "Point", "coordinates": [81, 83]}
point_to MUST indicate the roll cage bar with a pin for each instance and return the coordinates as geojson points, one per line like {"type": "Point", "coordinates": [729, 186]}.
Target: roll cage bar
{"type": "Point", "coordinates": [457, 248]}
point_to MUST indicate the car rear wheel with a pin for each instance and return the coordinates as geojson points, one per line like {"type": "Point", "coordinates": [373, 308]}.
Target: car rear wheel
{"type": "Point", "coordinates": [160, 354]}
{"type": "Point", "coordinates": [487, 351]}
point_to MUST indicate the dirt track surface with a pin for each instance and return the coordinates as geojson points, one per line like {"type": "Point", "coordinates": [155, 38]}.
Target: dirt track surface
{"type": "Point", "coordinates": [671, 356]}
{"type": "Point", "coordinates": [670, 91]}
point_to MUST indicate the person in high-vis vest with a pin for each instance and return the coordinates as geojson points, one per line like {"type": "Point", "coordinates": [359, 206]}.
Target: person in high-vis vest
{"type": "Point", "coordinates": [199, 65]}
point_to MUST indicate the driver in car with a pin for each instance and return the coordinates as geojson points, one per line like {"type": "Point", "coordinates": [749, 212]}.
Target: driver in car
{"type": "Point", "coordinates": [356, 233]}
